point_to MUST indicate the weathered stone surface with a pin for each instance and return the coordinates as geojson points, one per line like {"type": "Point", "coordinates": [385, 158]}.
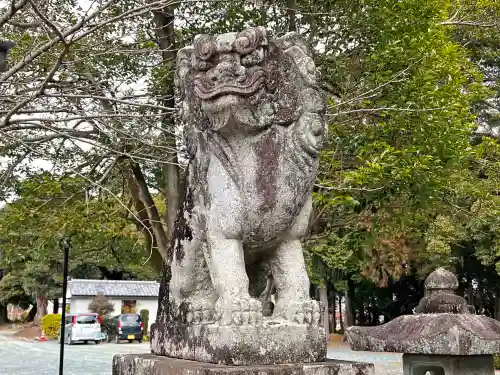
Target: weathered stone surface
{"type": "Point", "coordinates": [254, 123]}
{"type": "Point", "coordinates": [443, 326]}
{"type": "Point", "coordinates": [148, 364]}
{"type": "Point", "coordinates": [441, 280]}
{"type": "Point", "coordinates": [265, 343]}
{"type": "Point", "coordinates": [444, 334]}
{"type": "Point", "coordinates": [447, 365]}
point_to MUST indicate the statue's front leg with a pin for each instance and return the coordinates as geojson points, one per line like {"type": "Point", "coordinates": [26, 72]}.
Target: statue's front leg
{"type": "Point", "coordinates": [290, 277]}
{"type": "Point", "coordinates": [234, 306]}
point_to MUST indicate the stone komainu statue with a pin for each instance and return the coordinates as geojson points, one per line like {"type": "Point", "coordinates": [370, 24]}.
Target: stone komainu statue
{"type": "Point", "coordinates": [254, 122]}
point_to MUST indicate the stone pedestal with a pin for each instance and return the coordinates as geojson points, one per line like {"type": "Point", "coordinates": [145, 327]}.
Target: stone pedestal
{"type": "Point", "coordinates": [263, 344]}
{"type": "Point", "coordinates": [416, 364]}
{"type": "Point", "coordinates": [148, 364]}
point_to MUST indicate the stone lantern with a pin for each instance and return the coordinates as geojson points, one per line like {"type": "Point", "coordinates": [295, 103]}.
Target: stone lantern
{"type": "Point", "coordinates": [444, 337]}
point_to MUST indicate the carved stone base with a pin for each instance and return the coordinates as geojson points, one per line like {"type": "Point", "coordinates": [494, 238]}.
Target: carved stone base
{"type": "Point", "coordinates": [148, 364]}
{"type": "Point", "coordinates": [414, 364]}
{"type": "Point", "coordinates": [265, 344]}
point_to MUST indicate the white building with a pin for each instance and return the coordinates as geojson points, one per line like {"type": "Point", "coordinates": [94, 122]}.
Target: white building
{"type": "Point", "coordinates": [126, 296]}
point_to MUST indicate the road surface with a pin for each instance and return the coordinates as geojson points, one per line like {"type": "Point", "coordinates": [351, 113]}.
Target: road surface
{"type": "Point", "coordinates": [19, 357]}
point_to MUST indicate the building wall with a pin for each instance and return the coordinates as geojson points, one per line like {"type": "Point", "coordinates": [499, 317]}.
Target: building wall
{"type": "Point", "coordinates": [81, 305]}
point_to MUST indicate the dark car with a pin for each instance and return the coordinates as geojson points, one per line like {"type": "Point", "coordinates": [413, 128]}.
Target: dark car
{"type": "Point", "coordinates": [125, 327]}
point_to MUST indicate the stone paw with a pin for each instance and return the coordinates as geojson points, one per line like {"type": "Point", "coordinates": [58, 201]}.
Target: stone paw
{"type": "Point", "coordinates": [199, 311]}
{"type": "Point", "coordinates": [238, 311]}
{"type": "Point", "coordinates": [302, 312]}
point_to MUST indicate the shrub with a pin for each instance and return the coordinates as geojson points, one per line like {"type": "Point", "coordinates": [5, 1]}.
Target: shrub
{"type": "Point", "coordinates": [50, 325]}
{"type": "Point", "coordinates": [101, 305]}
{"type": "Point", "coordinates": [144, 313]}
{"type": "Point", "coordinates": [496, 361]}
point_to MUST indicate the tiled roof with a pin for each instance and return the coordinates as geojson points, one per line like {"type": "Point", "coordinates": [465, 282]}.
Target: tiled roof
{"type": "Point", "coordinates": [114, 288]}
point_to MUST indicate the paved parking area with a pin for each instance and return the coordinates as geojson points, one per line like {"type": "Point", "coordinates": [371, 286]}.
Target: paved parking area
{"type": "Point", "coordinates": [19, 357]}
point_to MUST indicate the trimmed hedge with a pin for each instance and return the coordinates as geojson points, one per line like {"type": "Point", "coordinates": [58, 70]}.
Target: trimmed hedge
{"type": "Point", "coordinates": [50, 325]}
{"type": "Point", "coordinates": [144, 313]}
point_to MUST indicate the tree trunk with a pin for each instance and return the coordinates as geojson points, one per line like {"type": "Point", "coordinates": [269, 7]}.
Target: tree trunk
{"type": "Point", "coordinates": [173, 187]}
{"type": "Point", "coordinates": [291, 10]}
{"type": "Point", "coordinates": [334, 310]}
{"type": "Point", "coordinates": [470, 292]}
{"type": "Point", "coordinates": [349, 308]}
{"type": "Point", "coordinates": [32, 314]}
{"type": "Point", "coordinates": [164, 22]}
{"type": "Point", "coordinates": [480, 301]}
{"type": "Point", "coordinates": [362, 314]}
{"type": "Point", "coordinates": [55, 309]}
{"type": "Point", "coordinates": [341, 318]}
{"type": "Point", "coordinates": [41, 308]}
{"type": "Point", "coordinates": [153, 215]}
{"type": "Point", "coordinates": [323, 297]}
{"type": "Point", "coordinates": [497, 307]}
{"type": "Point", "coordinates": [4, 316]}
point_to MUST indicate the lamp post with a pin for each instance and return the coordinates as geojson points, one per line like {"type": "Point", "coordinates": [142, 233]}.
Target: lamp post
{"type": "Point", "coordinates": [5, 46]}
{"type": "Point", "coordinates": [65, 244]}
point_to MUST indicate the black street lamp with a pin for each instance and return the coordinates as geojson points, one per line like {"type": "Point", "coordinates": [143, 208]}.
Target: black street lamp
{"type": "Point", "coordinates": [5, 46]}
{"type": "Point", "coordinates": [65, 244]}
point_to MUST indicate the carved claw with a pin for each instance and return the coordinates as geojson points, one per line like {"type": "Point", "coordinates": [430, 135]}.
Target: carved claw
{"type": "Point", "coordinates": [302, 312]}
{"type": "Point", "coordinates": [238, 311]}
{"type": "Point", "coordinates": [199, 311]}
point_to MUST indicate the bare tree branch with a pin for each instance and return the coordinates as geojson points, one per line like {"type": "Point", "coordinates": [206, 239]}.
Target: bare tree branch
{"type": "Point", "coordinates": [4, 18]}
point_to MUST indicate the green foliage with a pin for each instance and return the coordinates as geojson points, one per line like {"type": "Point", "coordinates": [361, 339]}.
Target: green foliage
{"type": "Point", "coordinates": [405, 184]}
{"type": "Point", "coordinates": [144, 313]}
{"type": "Point", "coordinates": [402, 93]}
{"type": "Point", "coordinates": [12, 291]}
{"type": "Point", "coordinates": [51, 324]}
{"type": "Point", "coordinates": [103, 237]}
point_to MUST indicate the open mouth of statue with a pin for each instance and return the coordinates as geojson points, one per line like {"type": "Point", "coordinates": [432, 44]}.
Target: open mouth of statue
{"type": "Point", "coordinates": [206, 90]}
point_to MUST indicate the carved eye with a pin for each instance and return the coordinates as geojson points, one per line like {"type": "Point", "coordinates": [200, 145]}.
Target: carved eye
{"type": "Point", "coordinates": [204, 46]}
{"type": "Point", "coordinates": [254, 58]}
{"type": "Point", "coordinates": [202, 65]}
{"type": "Point", "coordinates": [206, 51]}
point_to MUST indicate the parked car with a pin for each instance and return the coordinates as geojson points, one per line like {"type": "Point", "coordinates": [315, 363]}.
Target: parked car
{"type": "Point", "coordinates": [125, 327]}
{"type": "Point", "coordinates": [82, 327]}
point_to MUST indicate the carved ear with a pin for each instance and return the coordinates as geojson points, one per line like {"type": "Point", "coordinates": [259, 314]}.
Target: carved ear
{"type": "Point", "coordinates": [294, 46]}
{"type": "Point", "coordinates": [292, 39]}
{"type": "Point", "coordinates": [184, 64]}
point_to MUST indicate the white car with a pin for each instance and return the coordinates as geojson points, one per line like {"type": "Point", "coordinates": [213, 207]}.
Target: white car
{"type": "Point", "coordinates": [82, 327]}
